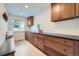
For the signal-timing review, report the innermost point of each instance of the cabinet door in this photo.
(55, 12)
(40, 42)
(65, 50)
(31, 37)
(51, 52)
(67, 10)
(35, 40)
(77, 9)
(30, 21)
(26, 35)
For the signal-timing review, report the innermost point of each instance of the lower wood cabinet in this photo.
(51, 52)
(35, 39)
(65, 50)
(39, 41)
(29, 36)
(55, 46)
(64, 46)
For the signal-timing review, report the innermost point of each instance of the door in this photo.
(31, 37)
(55, 11)
(77, 9)
(41, 42)
(35, 38)
(67, 10)
(62, 11)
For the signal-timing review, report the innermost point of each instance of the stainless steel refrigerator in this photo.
(6, 38)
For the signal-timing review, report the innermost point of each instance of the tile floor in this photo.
(24, 48)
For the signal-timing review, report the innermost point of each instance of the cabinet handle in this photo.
(58, 18)
(64, 50)
(64, 41)
(61, 17)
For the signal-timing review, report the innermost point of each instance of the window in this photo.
(18, 25)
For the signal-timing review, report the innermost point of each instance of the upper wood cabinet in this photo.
(77, 9)
(55, 11)
(62, 11)
(30, 21)
(67, 10)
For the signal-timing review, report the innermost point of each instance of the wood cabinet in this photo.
(61, 46)
(29, 36)
(60, 40)
(39, 41)
(26, 35)
(51, 52)
(30, 20)
(55, 11)
(67, 10)
(54, 45)
(62, 11)
(35, 38)
(65, 50)
(77, 9)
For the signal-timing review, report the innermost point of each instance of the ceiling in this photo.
(33, 9)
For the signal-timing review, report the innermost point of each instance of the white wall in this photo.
(62, 27)
(2, 9)
(19, 35)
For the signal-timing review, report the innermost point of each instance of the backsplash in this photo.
(63, 27)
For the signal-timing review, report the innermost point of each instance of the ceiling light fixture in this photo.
(26, 6)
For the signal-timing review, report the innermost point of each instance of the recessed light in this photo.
(26, 6)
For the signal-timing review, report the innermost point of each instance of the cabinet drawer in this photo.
(65, 50)
(51, 52)
(41, 36)
(35, 41)
(61, 40)
(40, 44)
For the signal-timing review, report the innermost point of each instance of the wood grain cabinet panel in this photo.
(65, 50)
(55, 12)
(67, 10)
(31, 38)
(77, 9)
(30, 20)
(35, 38)
(41, 42)
(51, 52)
(60, 40)
(62, 11)
(55, 46)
